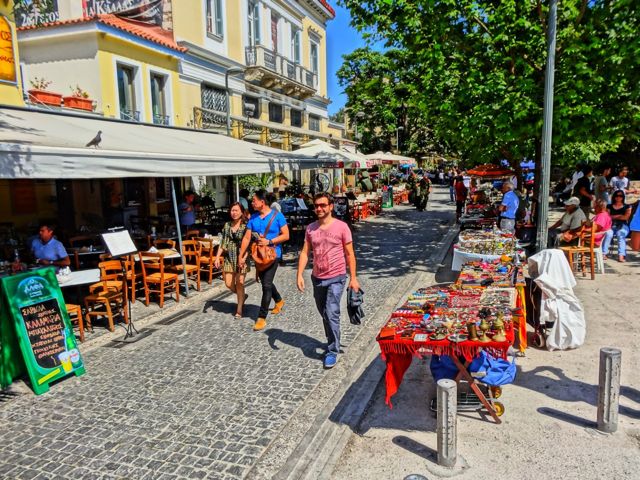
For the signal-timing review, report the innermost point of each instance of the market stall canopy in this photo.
(489, 170)
(335, 157)
(36, 144)
(390, 158)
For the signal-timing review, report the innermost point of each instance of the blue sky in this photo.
(341, 39)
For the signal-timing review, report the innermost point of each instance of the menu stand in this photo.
(120, 246)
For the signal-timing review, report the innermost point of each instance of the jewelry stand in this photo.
(121, 247)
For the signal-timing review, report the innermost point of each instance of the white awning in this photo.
(36, 144)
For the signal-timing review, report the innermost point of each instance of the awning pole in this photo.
(177, 216)
(237, 189)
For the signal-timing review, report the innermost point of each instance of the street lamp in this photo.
(398, 137)
(230, 71)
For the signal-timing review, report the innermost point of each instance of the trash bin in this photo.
(387, 196)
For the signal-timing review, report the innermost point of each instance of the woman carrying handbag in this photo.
(233, 273)
(269, 230)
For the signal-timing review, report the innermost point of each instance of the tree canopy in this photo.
(475, 69)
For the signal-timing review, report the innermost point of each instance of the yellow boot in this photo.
(260, 324)
(278, 307)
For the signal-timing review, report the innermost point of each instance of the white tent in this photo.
(38, 145)
(390, 158)
(340, 158)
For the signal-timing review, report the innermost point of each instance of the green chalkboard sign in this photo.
(35, 305)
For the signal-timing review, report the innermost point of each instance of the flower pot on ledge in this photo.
(79, 103)
(43, 96)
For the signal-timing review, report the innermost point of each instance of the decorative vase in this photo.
(46, 97)
(79, 103)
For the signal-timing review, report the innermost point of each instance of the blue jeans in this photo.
(451, 193)
(621, 232)
(327, 294)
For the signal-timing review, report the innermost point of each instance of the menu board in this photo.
(36, 310)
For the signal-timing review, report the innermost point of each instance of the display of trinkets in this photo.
(498, 297)
(487, 243)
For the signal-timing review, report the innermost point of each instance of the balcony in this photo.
(160, 119)
(129, 115)
(275, 72)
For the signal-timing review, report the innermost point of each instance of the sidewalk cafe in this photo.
(46, 163)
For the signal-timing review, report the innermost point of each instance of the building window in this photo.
(296, 118)
(275, 113)
(213, 98)
(214, 17)
(127, 93)
(159, 99)
(314, 123)
(251, 107)
(295, 45)
(253, 23)
(314, 57)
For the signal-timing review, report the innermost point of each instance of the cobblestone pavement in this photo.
(203, 397)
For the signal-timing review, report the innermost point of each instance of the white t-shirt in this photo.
(574, 179)
(619, 183)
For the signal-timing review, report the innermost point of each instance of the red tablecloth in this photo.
(398, 353)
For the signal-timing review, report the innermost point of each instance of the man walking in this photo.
(332, 245)
(267, 227)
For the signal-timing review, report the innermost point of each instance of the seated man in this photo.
(47, 250)
(565, 231)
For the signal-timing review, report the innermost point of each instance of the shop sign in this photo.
(7, 56)
(31, 13)
(149, 11)
(36, 309)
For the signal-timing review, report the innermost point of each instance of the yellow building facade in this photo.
(10, 79)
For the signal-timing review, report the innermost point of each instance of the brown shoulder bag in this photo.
(264, 255)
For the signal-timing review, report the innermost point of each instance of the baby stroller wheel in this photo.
(538, 340)
(499, 408)
(496, 392)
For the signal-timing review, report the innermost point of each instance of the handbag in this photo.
(264, 255)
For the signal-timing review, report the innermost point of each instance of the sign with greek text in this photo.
(31, 13)
(148, 11)
(7, 56)
(34, 301)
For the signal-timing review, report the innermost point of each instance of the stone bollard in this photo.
(609, 389)
(447, 421)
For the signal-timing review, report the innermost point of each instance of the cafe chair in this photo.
(579, 254)
(207, 256)
(132, 277)
(75, 315)
(192, 234)
(107, 296)
(155, 279)
(80, 241)
(191, 251)
(161, 243)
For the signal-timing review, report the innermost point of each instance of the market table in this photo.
(461, 257)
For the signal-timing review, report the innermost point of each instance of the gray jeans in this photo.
(508, 225)
(327, 294)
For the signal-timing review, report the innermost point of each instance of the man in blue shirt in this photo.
(47, 250)
(187, 212)
(278, 233)
(508, 208)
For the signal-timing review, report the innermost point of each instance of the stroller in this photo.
(492, 373)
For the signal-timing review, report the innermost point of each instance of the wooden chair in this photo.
(164, 243)
(207, 255)
(585, 248)
(191, 250)
(75, 315)
(80, 241)
(132, 277)
(107, 294)
(192, 234)
(155, 279)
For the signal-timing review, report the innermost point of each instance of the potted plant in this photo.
(78, 99)
(40, 94)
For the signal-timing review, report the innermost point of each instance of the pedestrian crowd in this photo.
(258, 240)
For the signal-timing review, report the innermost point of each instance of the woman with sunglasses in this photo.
(620, 214)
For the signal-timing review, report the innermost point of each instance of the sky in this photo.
(341, 39)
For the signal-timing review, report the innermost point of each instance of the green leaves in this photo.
(472, 73)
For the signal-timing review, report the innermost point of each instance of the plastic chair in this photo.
(154, 275)
(585, 248)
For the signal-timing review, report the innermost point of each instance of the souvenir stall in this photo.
(472, 327)
(483, 245)
(484, 196)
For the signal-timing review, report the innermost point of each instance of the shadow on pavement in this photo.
(417, 448)
(308, 345)
(567, 417)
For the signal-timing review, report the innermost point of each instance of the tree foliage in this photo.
(479, 68)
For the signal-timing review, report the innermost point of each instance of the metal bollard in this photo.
(609, 389)
(447, 422)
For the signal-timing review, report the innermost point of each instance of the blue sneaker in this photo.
(330, 360)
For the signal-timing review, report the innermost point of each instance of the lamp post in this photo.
(230, 71)
(398, 137)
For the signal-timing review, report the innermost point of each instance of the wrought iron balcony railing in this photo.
(160, 119)
(259, 56)
(130, 115)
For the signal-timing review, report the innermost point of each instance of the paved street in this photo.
(205, 396)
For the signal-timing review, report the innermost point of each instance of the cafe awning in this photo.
(36, 144)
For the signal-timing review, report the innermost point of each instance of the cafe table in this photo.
(79, 278)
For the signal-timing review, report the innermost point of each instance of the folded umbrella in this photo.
(354, 305)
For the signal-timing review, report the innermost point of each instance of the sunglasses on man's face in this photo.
(320, 205)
